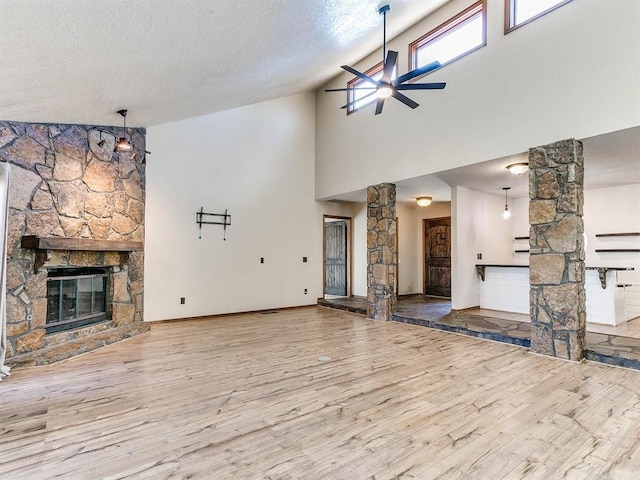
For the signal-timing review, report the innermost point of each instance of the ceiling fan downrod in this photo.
(383, 11)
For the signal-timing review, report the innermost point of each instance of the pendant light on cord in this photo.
(123, 145)
(506, 214)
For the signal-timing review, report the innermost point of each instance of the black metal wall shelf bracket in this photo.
(203, 218)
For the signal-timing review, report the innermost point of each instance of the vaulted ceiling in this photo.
(74, 61)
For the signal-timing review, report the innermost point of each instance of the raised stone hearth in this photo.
(68, 184)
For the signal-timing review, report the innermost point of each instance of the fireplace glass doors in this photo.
(76, 297)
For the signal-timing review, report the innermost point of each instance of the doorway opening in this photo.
(436, 235)
(337, 256)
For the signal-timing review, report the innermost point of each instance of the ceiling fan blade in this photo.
(352, 89)
(404, 99)
(358, 74)
(379, 105)
(389, 66)
(417, 72)
(422, 86)
(353, 102)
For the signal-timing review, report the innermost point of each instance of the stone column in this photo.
(381, 251)
(556, 261)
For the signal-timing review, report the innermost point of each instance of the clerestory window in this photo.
(521, 12)
(455, 38)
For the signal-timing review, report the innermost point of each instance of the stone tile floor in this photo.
(613, 346)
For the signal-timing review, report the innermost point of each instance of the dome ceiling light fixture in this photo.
(123, 144)
(387, 86)
(424, 201)
(518, 168)
(506, 214)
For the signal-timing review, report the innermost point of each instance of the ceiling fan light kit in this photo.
(384, 91)
(389, 87)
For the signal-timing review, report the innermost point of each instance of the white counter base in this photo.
(505, 289)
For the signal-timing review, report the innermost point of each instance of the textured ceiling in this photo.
(79, 61)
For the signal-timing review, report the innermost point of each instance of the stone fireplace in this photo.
(76, 214)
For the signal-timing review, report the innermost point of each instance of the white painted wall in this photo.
(613, 210)
(258, 162)
(570, 74)
(359, 213)
(408, 250)
(477, 227)
(520, 228)
(466, 240)
(606, 210)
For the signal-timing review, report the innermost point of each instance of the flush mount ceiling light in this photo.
(506, 214)
(123, 145)
(518, 168)
(387, 86)
(424, 201)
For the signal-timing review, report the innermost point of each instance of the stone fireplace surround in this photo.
(73, 202)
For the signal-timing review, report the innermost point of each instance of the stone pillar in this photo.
(381, 251)
(556, 261)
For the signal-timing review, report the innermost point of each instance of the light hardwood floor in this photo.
(245, 397)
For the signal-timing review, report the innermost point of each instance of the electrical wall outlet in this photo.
(305, 291)
(182, 300)
(479, 256)
(261, 259)
(304, 259)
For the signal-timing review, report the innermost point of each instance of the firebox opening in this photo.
(76, 297)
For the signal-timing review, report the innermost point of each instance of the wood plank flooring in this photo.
(245, 397)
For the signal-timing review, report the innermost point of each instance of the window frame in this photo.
(377, 68)
(442, 30)
(510, 13)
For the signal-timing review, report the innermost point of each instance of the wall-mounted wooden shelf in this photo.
(521, 251)
(521, 238)
(629, 234)
(605, 250)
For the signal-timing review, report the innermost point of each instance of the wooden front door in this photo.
(437, 256)
(335, 257)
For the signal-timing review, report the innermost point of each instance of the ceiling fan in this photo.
(389, 87)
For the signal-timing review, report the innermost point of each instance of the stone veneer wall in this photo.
(556, 261)
(64, 184)
(381, 251)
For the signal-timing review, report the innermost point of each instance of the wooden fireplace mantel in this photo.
(86, 244)
(44, 245)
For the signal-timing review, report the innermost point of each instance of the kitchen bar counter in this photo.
(506, 288)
